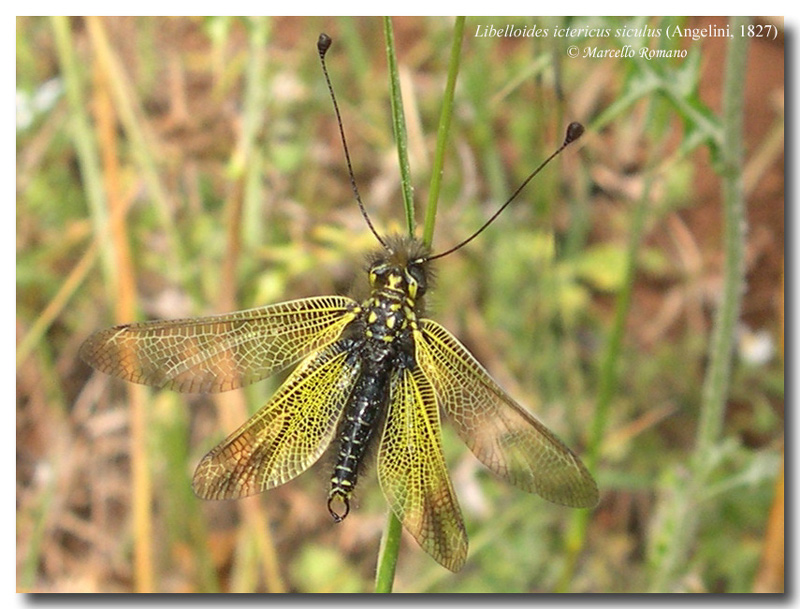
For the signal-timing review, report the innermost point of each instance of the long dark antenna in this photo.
(323, 44)
(574, 131)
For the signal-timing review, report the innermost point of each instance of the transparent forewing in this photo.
(413, 474)
(504, 436)
(221, 352)
(287, 435)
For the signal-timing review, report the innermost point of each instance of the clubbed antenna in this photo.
(574, 131)
(323, 44)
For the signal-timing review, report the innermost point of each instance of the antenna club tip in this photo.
(324, 43)
(574, 131)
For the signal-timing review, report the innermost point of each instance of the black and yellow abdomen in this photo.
(363, 413)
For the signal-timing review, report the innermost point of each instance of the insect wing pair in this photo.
(293, 430)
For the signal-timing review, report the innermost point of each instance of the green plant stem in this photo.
(390, 548)
(672, 559)
(387, 561)
(443, 132)
(715, 389)
(399, 124)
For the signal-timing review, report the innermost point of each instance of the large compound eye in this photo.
(416, 274)
(379, 274)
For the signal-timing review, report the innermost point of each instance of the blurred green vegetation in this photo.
(223, 162)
